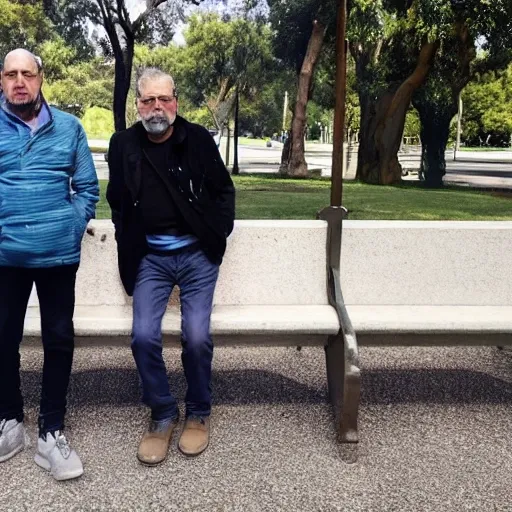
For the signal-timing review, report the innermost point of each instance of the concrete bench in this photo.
(404, 283)
(428, 283)
(273, 289)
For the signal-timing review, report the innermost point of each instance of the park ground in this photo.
(434, 436)
(271, 197)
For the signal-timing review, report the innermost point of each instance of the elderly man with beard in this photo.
(48, 192)
(172, 202)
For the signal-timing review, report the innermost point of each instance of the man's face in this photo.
(21, 81)
(157, 106)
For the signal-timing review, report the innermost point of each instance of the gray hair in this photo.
(39, 63)
(148, 74)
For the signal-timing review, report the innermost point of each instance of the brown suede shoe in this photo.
(195, 436)
(154, 444)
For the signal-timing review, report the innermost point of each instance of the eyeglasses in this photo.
(149, 102)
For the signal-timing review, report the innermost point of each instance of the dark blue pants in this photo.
(196, 276)
(56, 291)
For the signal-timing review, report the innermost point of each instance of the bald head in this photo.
(22, 78)
(21, 55)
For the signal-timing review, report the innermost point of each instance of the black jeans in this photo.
(56, 291)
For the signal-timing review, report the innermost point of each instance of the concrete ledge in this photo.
(372, 319)
(434, 339)
(269, 321)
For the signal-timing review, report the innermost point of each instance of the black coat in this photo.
(199, 185)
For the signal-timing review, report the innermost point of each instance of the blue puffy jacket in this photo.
(48, 191)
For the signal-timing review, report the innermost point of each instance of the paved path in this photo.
(435, 436)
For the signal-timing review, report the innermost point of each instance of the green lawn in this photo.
(98, 149)
(277, 198)
(483, 149)
(247, 141)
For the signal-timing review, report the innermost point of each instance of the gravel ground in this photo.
(434, 425)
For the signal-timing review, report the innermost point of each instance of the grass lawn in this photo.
(247, 141)
(483, 149)
(98, 149)
(279, 198)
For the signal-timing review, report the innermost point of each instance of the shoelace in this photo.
(63, 446)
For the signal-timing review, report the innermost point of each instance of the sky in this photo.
(135, 7)
(221, 6)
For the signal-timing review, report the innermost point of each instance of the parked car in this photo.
(216, 136)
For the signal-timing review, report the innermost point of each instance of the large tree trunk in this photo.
(365, 55)
(367, 150)
(123, 74)
(294, 162)
(123, 57)
(435, 128)
(372, 111)
(436, 113)
(382, 125)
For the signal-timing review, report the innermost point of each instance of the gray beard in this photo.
(157, 126)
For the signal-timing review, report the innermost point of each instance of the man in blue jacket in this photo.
(48, 192)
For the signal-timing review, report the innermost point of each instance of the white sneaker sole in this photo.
(18, 449)
(66, 475)
(10, 455)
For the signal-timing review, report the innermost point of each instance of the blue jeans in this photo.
(196, 276)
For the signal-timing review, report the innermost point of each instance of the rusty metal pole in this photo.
(339, 111)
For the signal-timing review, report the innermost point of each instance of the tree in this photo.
(324, 93)
(225, 60)
(122, 34)
(83, 85)
(296, 162)
(252, 62)
(396, 45)
(22, 26)
(456, 64)
(301, 27)
(70, 22)
(388, 71)
(208, 67)
(437, 101)
(154, 25)
(57, 57)
(487, 117)
(261, 112)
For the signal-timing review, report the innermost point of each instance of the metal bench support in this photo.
(342, 355)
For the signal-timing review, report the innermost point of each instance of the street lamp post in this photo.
(339, 111)
(459, 125)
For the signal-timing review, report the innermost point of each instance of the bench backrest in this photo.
(267, 262)
(427, 263)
